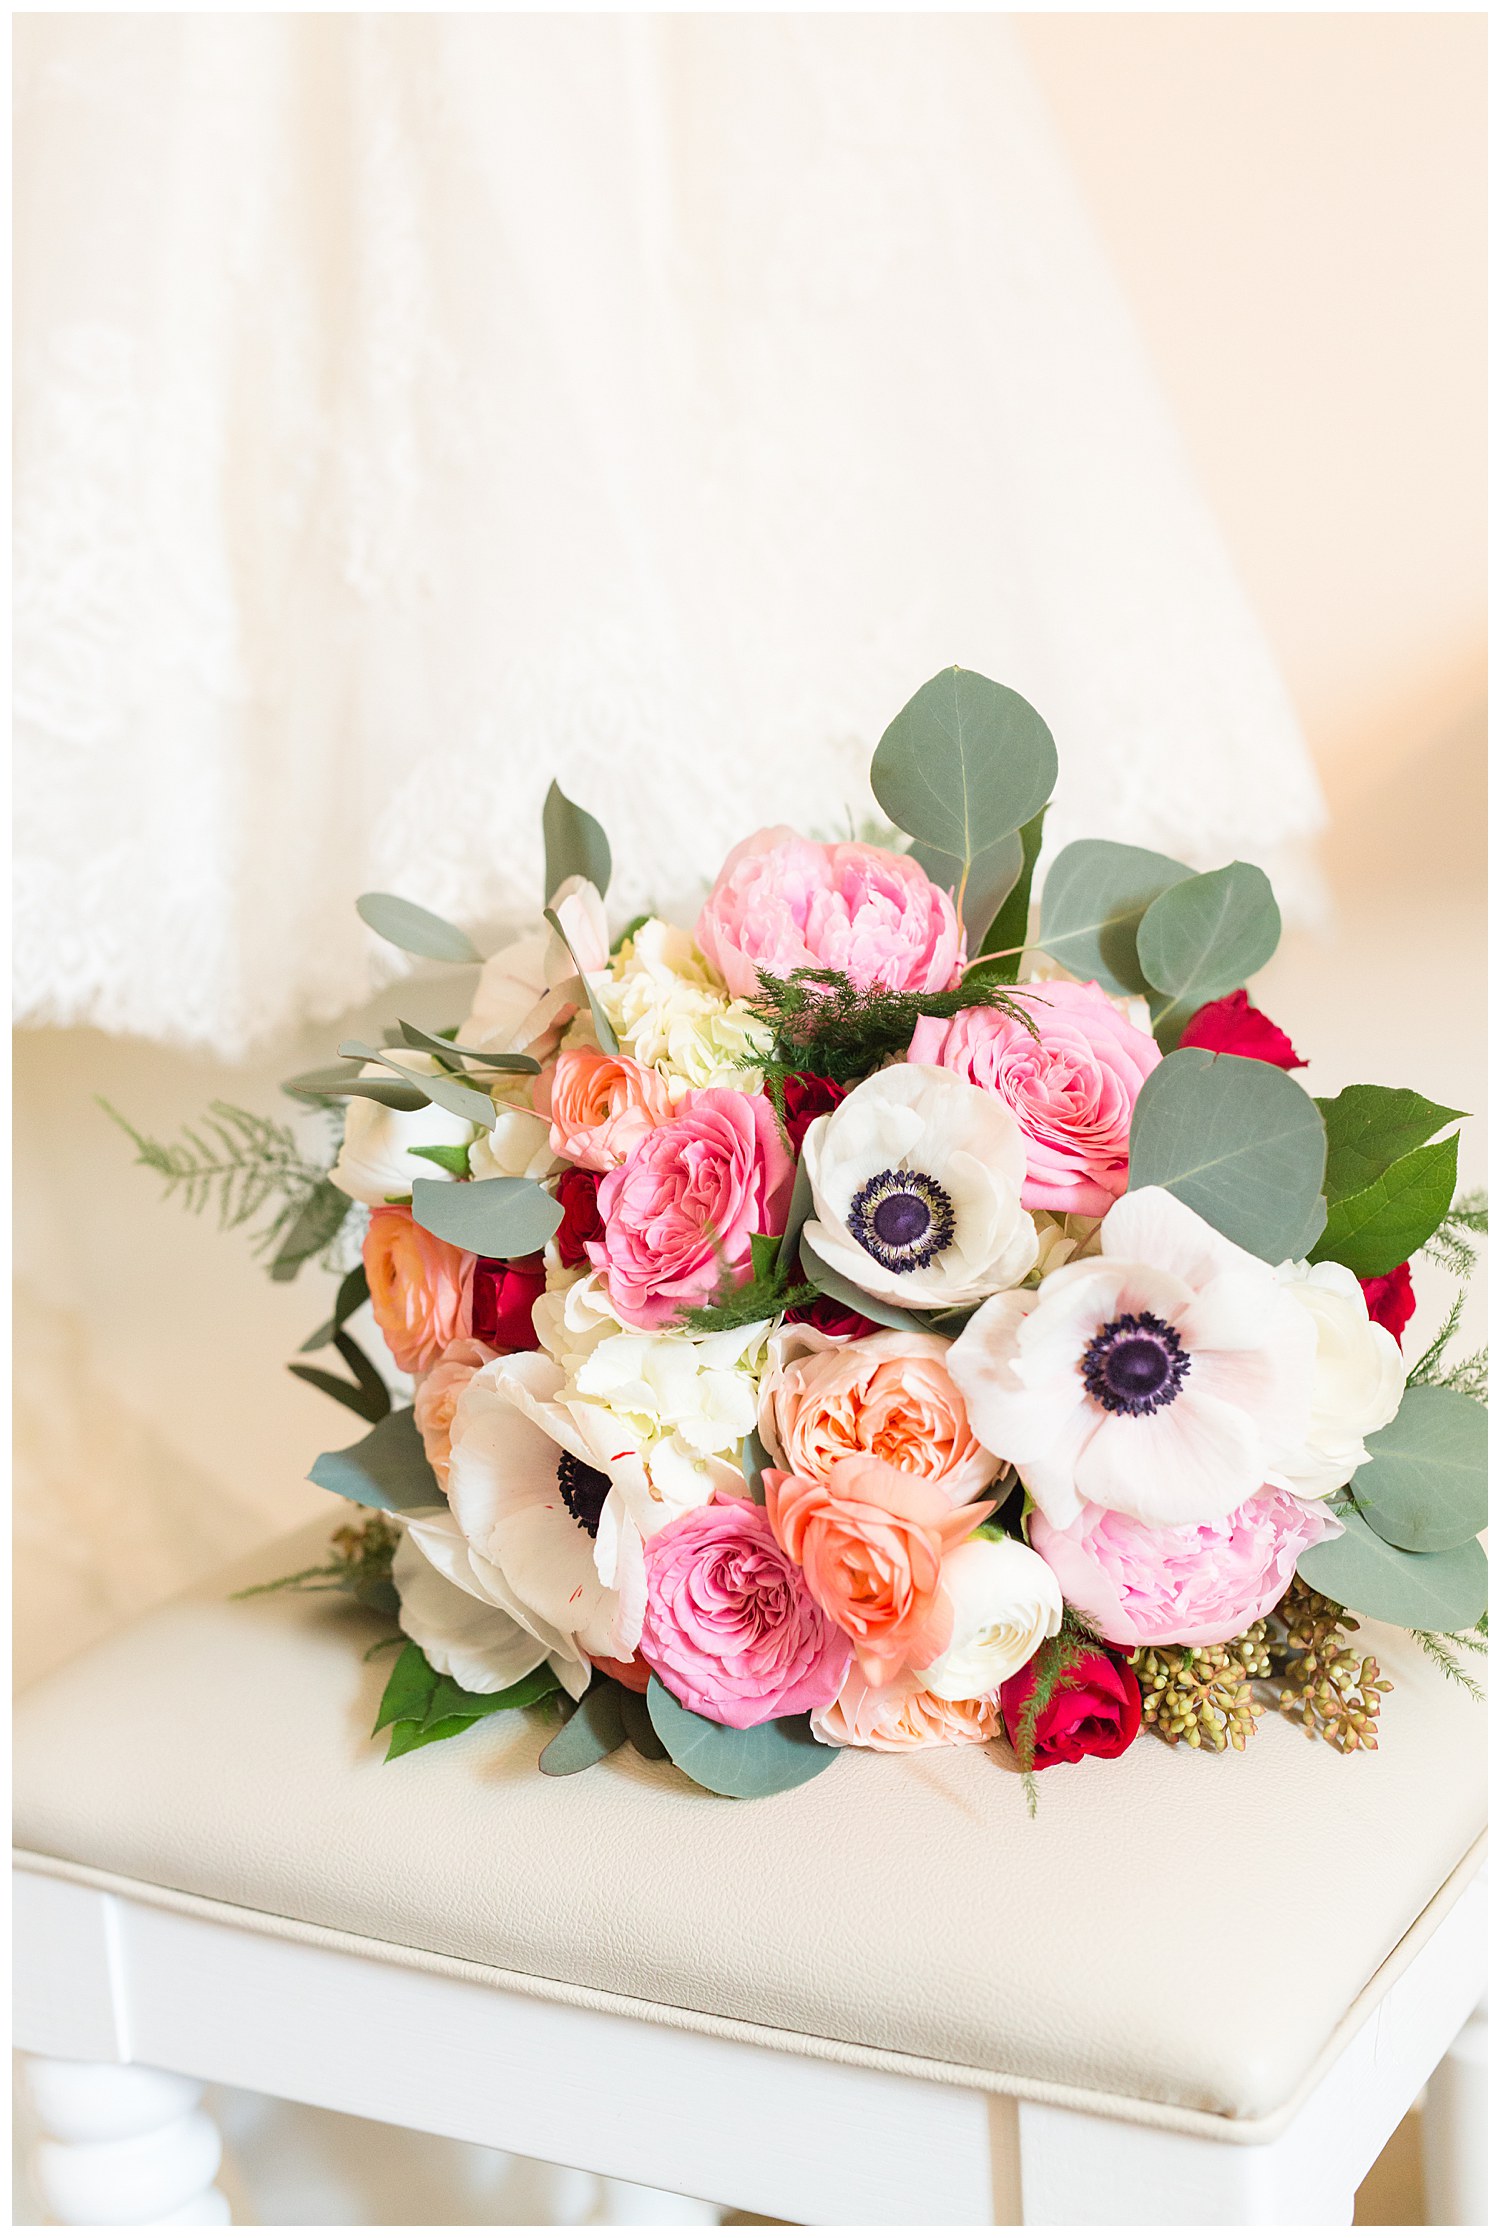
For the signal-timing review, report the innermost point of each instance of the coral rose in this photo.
(1187, 1585)
(1072, 1086)
(1233, 1027)
(603, 1106)
(730, 1627)
(871, 1541)
(438, 1395)
(902, 1715)
(888, 1394)
(419, 1288)
(680, 1213)
(782, 902)
(1095, 1710)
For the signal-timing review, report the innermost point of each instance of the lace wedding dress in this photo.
(411, 408)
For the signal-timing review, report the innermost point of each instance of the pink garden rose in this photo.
(1072, 1087)
(1190, 1585)
(730, 1628)
(679, 1214)
(601, 1107)
(782, 902)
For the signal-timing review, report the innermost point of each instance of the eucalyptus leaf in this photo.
(1095, 895)
(832, 1285)
(604, 1032)
(436, 1087)
(440, 1045)
(595, 1730)
(639, 1730)
(1012, 924)
(799, 1212)
(754, 1458)
(388, 1469)
(1204, 937)
(1370, 1128)
(965, 764)
(1374, 1231)
(317, 1224)
(760, 1760)
(1425, 1485)
(575, 843)
(330, 1084)
(1444, 1592)
(407, 925)
(992, 874)
(351, 1395)
(1237, 1141)
(506, 1218)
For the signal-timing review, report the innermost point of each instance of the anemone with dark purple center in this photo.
(1135, 1365)
(584, 1491)
(902, 1219)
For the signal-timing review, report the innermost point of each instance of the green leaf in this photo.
(575, 843)
(408, 1690)
(449, 1699)
(992, 874)
(443, 1045)
(317, 1224)
(763, 1257)
(639, 1730)
(1237, 1141)
(754, 1458)
(436, 1087)
(352, 1293)
(507, 1218)
(1374, 1231)
(334, 1082)
(845, 1293)
(1011, 925)
(1094, 898)
(966, 762)
(1425, 1592)
(1204, 937)
(406, 1737)
(348, 1394)
(387, 1469)
(451, 1156)
(1425, 1485)
(604, 1032)
(406, 925)
(761, 1760)
(799, 1212)
(1370, 1128)
(595, 1730)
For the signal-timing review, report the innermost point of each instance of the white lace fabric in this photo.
(411, 409)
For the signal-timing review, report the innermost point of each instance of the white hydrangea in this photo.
(670, 1009)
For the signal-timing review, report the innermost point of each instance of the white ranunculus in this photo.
(916, 1182)
(376, 1160)
(670, 1010)
(457, 1625)
(1358, 1380)
(518, 1146)
(1006, 1601)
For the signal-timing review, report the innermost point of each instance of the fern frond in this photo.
(820, 1022)
(1440, 1646)
(242, 1166)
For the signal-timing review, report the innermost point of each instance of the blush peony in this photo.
(730, 1628)
(889, 1394)
(679, 1214)
(902, 1715)
(1188, 1585)
(1072, 1086)
(782, 903)
(871, 1541)
(419, 1288)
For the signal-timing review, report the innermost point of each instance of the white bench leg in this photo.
(1087, 2172)
(1455, 2131)
(636, 2203)
(123, 2145)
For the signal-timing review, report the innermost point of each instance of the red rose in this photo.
(808, 1097)
(1095, 1710)
(833, 1319)
(1390, 1298)
(505, 1290)
(578, 1194)
(1235, 1028)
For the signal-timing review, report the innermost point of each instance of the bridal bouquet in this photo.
(882, 1315)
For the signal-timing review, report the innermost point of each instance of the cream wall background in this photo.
(1295, 208)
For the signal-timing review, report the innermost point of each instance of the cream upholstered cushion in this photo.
(1176, 1929)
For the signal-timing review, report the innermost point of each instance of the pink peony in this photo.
(601, 1107)
(730, 1628)
(782, 902)
(679, 1214)
(1072, 1087)
(1191, 1585)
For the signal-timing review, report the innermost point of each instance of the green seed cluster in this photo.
(1203, 1695)
(1333, 1692)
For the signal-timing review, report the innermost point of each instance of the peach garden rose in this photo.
(889, 1394)
(902, 1715)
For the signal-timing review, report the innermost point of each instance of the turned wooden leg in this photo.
(123, 2145)
(637, 2203)
(1455, 2131)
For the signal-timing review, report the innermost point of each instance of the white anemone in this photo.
(916, 1182)
(459, 1626)
(1161, 1379)
(1005, 1601)
(1358, 1380)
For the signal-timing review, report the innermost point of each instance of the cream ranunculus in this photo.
(1358, 1380)
(376, 1162)
(1006, 1601)
(916, 1182)
(670, 1010)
